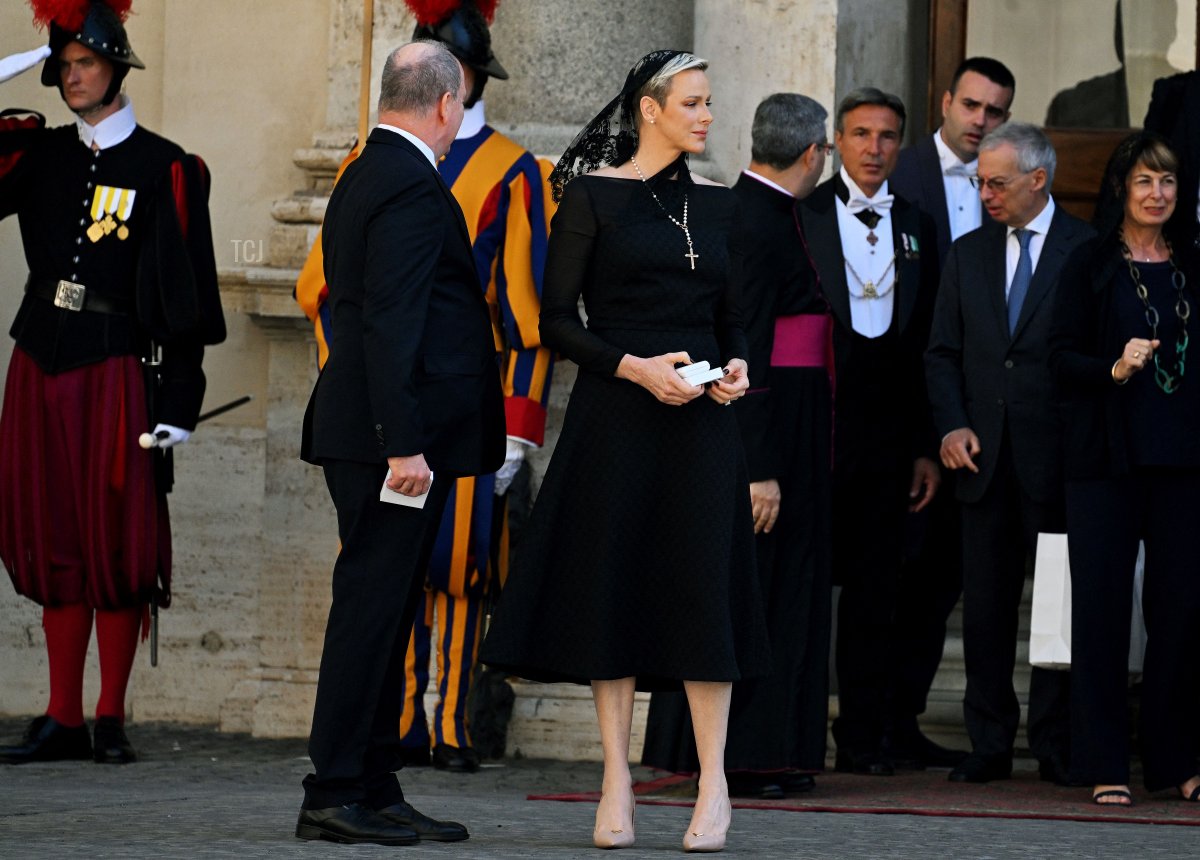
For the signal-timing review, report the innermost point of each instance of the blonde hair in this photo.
(659, 85)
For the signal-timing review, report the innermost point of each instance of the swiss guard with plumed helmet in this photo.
(120, 301)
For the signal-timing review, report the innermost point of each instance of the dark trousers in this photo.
(999, 534)
(1105, 520)
(868, 530)
(377, 581)
(930, 585)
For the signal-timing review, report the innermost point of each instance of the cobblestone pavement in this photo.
(200, 794)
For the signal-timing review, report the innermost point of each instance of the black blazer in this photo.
(412, 363)
(916, 284)
(983, 378)
(1175, 113)
(1085, 341)
(918, 179)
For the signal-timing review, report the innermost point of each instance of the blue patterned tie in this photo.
(1021, 278)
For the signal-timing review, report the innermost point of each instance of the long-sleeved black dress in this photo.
(639, 556)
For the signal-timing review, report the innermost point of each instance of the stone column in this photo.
(759, 47)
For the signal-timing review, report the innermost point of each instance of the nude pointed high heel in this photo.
(622, 838)
(708, 842)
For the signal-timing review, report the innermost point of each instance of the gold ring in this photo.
(1137, 354)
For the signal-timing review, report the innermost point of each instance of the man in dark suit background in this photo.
(874, 260)
(993, 403)
(1175, 114)
(937, 175)
(411, 390)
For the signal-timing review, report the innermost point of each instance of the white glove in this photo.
(174, 436)
(15, 64)
(513, 458)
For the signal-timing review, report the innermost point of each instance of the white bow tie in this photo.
(960, 170)
(862, 204)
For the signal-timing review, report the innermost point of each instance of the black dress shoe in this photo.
(911, 750)
(979, 768)
(353, 824)
(415, 756)
(111, 745)
(798, 783)
(47, 739)
(1054, 769)
(455, 759)
(760, 786)
(428, 829)
(868, 763)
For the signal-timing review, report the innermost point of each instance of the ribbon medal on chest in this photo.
(111, 208)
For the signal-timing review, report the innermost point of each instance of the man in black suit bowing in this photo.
(875, 263)
(994, 406)
(937, 175)
(411, 396)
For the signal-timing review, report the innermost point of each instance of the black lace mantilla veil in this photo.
(611, 137)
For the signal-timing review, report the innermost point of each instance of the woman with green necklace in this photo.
(1131, 417)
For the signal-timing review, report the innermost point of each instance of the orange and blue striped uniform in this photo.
(506, 201)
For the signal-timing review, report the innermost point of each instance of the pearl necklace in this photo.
(691, 255)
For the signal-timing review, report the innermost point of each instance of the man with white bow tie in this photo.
(937, 174)
(874, 259)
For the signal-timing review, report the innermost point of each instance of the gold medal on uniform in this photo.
(107, 203)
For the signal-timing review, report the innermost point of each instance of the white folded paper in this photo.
(700, 373)
(386, 494)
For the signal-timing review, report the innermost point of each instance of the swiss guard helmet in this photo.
(462, 26)
(95, 24)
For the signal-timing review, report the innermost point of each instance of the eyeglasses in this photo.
(998, 185)
(826, 148)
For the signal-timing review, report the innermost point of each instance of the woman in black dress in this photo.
(1132, 460)
(637, 567)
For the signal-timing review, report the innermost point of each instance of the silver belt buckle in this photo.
(69, 296)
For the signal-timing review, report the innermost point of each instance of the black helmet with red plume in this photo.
(95, 24)
(462, 26)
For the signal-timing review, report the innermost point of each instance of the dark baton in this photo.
(152, 440)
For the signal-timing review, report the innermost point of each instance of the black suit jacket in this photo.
(413, 366)
(1175, 113)
(906, 404)
(918, 179)
(982, 377)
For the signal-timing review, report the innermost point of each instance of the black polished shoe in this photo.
(979, 768)
(353, 824)
(798, 783)
(428, 829)
(911, 750)
(760, 786)
(1054, 769)
(868, 763)
(455, 759)
(111, 746)
(415, 756)
(47, 739)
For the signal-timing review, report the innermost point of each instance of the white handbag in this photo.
(1050, 620)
